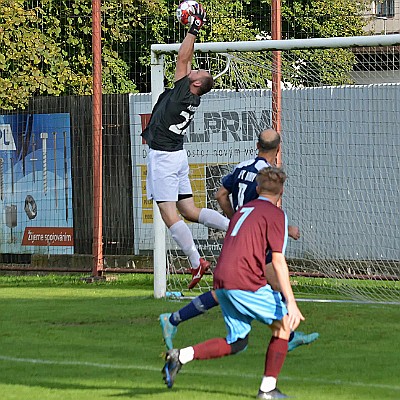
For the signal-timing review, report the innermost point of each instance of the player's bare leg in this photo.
(274, 359)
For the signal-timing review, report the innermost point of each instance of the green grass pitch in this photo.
(61, 338)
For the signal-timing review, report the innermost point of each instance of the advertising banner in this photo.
(35, 184)
(224, 132)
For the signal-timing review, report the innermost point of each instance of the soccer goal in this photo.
(337, 105)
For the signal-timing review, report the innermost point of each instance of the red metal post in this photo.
(276, 28)
(97, 125)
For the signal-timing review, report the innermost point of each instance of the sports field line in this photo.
(312, 300)
(211, 373)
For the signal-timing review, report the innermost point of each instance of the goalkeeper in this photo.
(167, 180)
(242, 186)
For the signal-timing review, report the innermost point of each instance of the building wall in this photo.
(383, 24)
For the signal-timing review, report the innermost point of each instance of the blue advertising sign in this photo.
(35, 184)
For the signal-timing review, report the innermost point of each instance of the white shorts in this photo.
(167, 175)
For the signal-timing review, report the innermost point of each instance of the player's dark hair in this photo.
(268, 145)
(207, 83)
(271, 180)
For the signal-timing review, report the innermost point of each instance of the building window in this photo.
(385, 8)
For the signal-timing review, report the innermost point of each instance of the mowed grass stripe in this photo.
(209, 372)
(64, 339)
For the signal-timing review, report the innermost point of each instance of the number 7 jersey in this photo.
(255, 228)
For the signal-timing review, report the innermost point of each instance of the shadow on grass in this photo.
(179, 393)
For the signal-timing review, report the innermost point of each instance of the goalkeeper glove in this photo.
(199, 17)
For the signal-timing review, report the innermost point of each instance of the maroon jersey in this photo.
(255, 228)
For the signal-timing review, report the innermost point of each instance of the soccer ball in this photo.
(185, 11)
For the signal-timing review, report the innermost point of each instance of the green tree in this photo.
(46, 49)
(226, 22)
(251, 20)
(46, 45)
(30, 61)
(314, 19)
(323, 18)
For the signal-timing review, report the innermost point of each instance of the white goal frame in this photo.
(157, 85)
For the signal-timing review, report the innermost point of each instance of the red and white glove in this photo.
(198, 17)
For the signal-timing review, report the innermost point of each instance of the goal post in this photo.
(333, 125)
(279, 45)
(159, 256)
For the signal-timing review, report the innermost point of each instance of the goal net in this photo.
(339, 110)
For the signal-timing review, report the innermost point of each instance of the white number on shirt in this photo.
(241, 190)
(179, 129)
(246, 212)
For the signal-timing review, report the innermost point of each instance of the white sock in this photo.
(186, 355)
(180, 232)
(268, 383)
(213, 219)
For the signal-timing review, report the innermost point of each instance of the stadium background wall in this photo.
(349, 135)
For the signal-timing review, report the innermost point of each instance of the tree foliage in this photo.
(30, 60)
(312, 19)
(46, 45)
(323, 18)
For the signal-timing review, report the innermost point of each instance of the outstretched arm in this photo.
(185, 53)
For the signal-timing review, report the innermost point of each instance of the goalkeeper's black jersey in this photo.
(171, 115)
